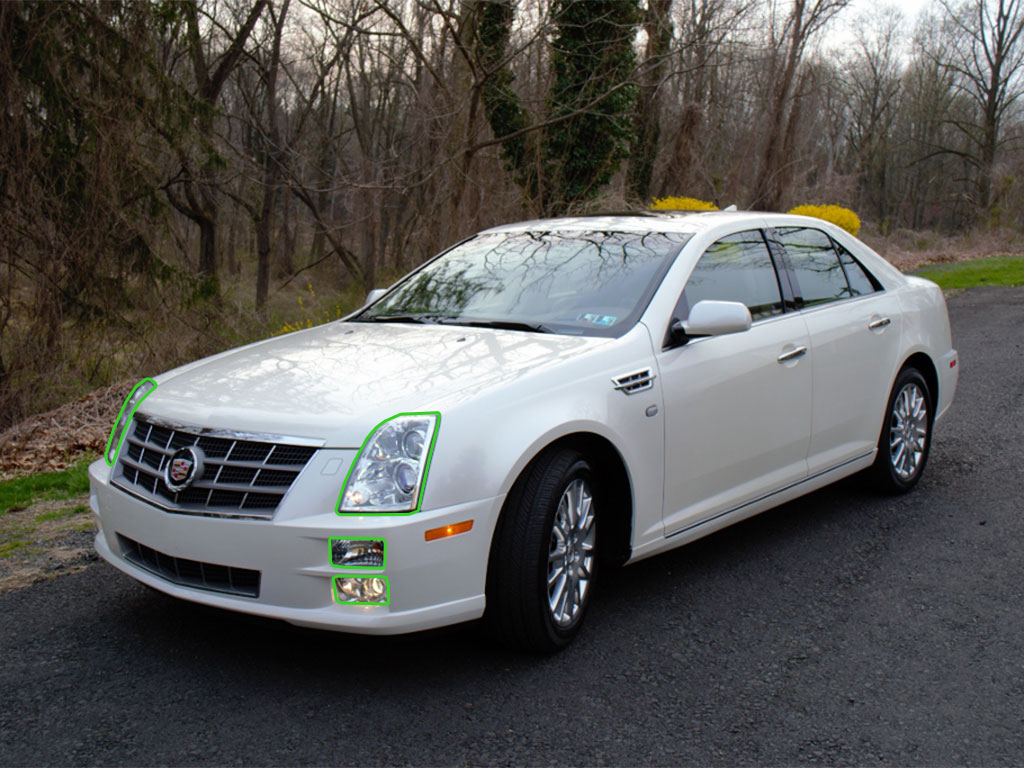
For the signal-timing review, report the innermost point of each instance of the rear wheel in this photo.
(544, 555)
(906, 435)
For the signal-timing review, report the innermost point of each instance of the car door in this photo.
(854, 327)
(737, 406)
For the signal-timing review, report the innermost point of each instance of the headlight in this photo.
(390, 470)
(138, 394)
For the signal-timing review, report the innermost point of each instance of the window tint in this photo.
(736, 268)
(860, 282)
(816, 264)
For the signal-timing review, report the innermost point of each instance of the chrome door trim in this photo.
(768, 495)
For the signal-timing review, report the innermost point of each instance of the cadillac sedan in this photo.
(541, 401)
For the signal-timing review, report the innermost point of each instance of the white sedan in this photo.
(541, 399)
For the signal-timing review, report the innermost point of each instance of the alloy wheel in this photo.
(908, 431)
(571, 553)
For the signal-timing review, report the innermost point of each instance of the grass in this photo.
(45, 486)
(64, 512)
(1005, 270)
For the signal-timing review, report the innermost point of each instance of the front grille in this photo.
(191, 573)
(241, 478)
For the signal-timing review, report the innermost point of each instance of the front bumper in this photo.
(431, 584)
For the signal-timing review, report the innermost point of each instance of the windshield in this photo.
(585, 283)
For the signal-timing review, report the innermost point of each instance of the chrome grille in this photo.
(192, 573)
(241, 478)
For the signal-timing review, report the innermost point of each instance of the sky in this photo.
(841, 30)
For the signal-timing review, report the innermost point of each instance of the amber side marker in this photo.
(448, 530)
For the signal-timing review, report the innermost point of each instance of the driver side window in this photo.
(738, 267)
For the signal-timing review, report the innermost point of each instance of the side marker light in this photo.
(448, 530)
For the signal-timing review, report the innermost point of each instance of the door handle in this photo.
(880, 323)
(793, 354)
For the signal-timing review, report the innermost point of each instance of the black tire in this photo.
(519, 611)
(898, 470)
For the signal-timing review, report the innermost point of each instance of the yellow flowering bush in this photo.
(836, 214)
(682, 204)
(310, 315)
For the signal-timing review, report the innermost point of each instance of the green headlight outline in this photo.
(426, 466)
(383, 558)
(339, 601)
(106, 450)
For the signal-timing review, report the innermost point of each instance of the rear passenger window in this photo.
(860, 282)
(819, 274)
(736, 268)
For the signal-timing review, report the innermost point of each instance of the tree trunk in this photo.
(271, 165)
(208, 250)
(658, 26)
(286, 240)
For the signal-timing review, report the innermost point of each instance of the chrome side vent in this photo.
(638, 381)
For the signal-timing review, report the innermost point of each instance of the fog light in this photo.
(357, 553)
(360, 590)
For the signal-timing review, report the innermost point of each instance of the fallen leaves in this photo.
(54, 440)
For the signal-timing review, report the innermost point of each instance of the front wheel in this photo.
(906, 434)
(544, 555)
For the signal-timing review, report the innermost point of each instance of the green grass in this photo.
(60, 514)
(1007, 270)
(45, 486)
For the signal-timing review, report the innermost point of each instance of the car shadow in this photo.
(659, 589)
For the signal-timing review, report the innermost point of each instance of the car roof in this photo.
(638, 221)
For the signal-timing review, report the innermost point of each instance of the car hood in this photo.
(336, 381)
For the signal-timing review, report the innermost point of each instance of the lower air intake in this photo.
(191, 573)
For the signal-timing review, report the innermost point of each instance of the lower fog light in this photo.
(361, 590)
(357, 553)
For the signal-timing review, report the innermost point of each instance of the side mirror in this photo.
(375, 294)
(713, 318)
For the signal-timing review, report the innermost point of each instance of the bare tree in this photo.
(873, 77)
(985, 51)
(271, 156)
(657, 25)
(198, 199)
(789, 42)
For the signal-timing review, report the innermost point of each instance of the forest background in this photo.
(177, 178)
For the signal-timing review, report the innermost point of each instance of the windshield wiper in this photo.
(505, 325)
(425, 319)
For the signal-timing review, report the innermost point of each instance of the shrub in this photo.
(682, 204)
(836, 214)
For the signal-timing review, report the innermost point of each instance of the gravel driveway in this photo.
(842, 628)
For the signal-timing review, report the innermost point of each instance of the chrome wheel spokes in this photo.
(571, 553)
(908, 431)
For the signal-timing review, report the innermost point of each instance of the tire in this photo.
(906, 436)
(538, 587)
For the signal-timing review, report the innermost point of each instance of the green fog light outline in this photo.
(335, 589)
(426, 466)
(113, 430)
(383, 557)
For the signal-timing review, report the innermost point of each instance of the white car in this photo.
(540, 398)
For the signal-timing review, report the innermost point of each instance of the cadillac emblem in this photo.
(185, 465)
